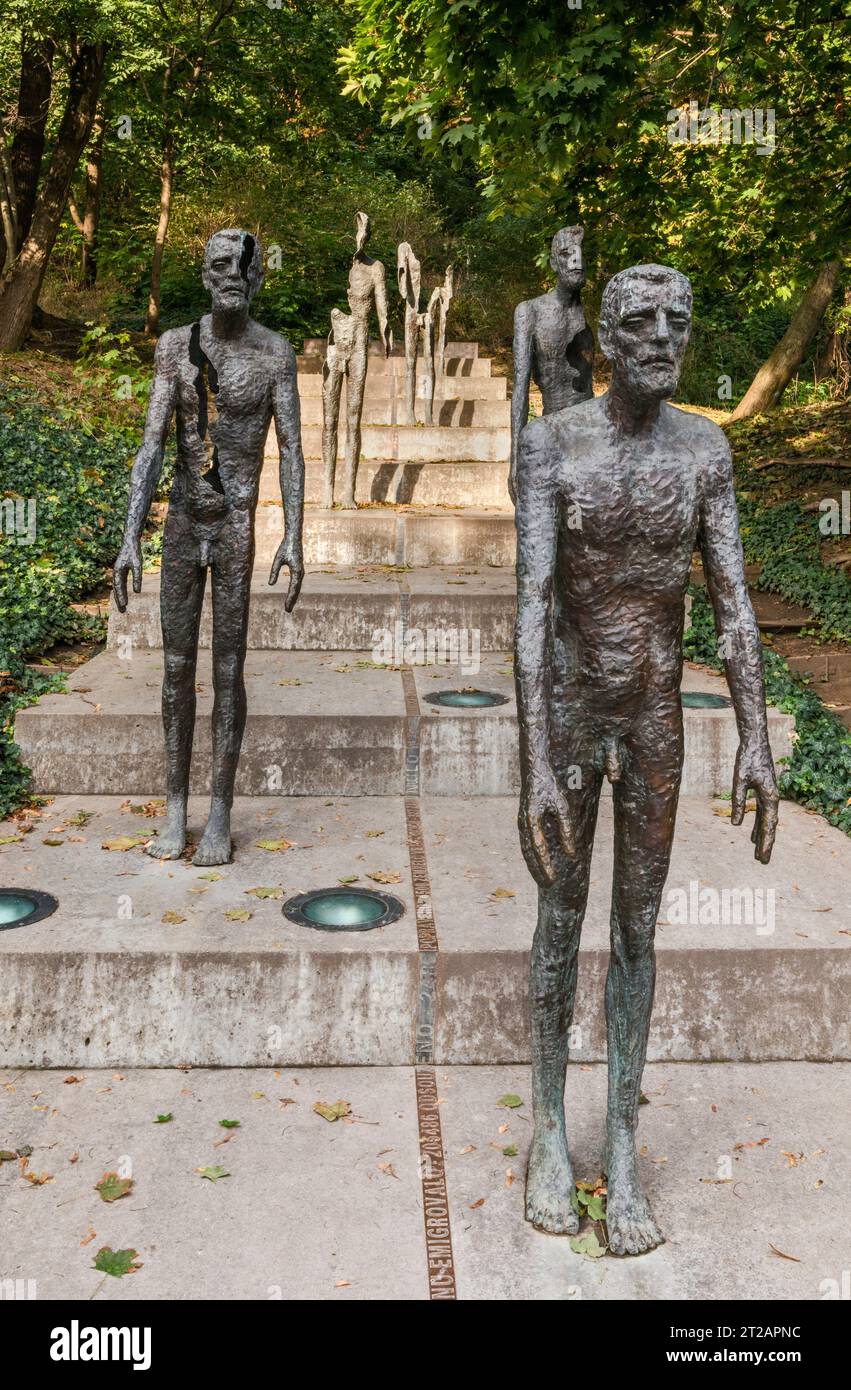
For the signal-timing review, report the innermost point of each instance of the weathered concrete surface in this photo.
(381, 535)
(321, 723)
(105, 981)
(386, 410)
(393, 368)
(453, 483)
(311, 1210)
(456, 348)
(419, 443)
(93, 985)
(307, 1212)
(719, 1233)
(464, 388)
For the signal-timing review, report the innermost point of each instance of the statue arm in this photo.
(147, 467)
(522, 352)
(542, 804)
(740, 647)
(584, 383)
(287, 414)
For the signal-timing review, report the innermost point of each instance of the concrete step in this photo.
(340, 609)
(388, 367)
(312, 346)
(335, 1212)
(389, 410)
(413, 443)
(381, 535)
(464, 483)
(106, 982)
(324, 723)
(464, 388)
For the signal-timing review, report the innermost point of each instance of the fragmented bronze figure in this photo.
(433, 323)
(346, 356)
(409, 280)
(225, 377)
(612, 495)
(552, 343)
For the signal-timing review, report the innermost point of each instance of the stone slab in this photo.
(384, 535)
(389, 410)
(459, 483)
(417, 443)
(464, 388)
(393, 368)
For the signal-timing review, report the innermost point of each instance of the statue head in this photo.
(645, 320)
(233, 269)
(408, 274)
(363, 227)
(566, 257)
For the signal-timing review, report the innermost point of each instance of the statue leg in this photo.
(552, 991)
(354, 410)
(645, 807)
(332, 384)
(181, 595)
(233, 560)
(411, 334)
(428, 360)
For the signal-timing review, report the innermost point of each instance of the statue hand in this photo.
(754, 770)
(129, 561)
(542, 801)
(289, 554)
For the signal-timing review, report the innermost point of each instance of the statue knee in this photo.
(179, 667)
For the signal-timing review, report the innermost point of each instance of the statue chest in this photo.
(235, 386)
(653, 508)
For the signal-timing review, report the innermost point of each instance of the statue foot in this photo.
(215, 846)
(630, 1223)
(171, 841)
(549, 1184)
(328, 501)
(347, 502)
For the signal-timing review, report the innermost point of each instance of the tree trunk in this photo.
(28, 143)
(152, 318)
(91, 216)
(777, 371)
(19, 288)
(8, 208)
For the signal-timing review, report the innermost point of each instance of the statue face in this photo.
(231, 271)
(566, 257)
(647, 337)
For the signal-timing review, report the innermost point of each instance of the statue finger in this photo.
(296, 577)
(739, 798)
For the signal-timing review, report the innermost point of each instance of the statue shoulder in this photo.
(701, 434)
(172, 346)
(275, 345)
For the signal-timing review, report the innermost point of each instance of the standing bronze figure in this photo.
(552, 343)
(347, 356)
(409, 280)
(598, 664)
(226, 378)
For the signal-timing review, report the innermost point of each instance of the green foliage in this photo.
(79, 485)
(786, 542)
(818, 773)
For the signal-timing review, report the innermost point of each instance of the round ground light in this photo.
(20, 907)
(466, 698)
(704, 699)
(343, 909)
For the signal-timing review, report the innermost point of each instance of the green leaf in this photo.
(230, 1124)
(213, 1173)
(111, 1187)
(587, 1245)
(116, 1262)
(164, 1119)
(338, 1111)
(510, 1101)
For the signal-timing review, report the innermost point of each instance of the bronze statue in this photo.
(225, 377)
(433, 323)
(552, 342)
(346, 356)
(598, 666)
(409, 281)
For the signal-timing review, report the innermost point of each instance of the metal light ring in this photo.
(44, 905)
(438, 697)
(392, 908)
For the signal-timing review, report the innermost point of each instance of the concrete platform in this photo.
(460, 348)
(394, 367)
(106, 982)
(342, 607)
(323, 723)
(464, 483)
(381, 535)
(335, 1212)
(389, 410)
(416, 443)
(378, 388)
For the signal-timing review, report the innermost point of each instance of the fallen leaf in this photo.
(172, 919)
(510, 1151)
(238, 914)
(125, 842)
(587, 1245)
(349, 878)
(265, 892)
(338, 1111)
(89, 1237)
(480, 1203)
(116, 1262)
(214, 1173)
(503, 893)
(212, 876)
(111, 1187)
(781, 1254)
(388, 1169)
(230, 1124)
(379, 876)
(510, 1101)
(273, 845)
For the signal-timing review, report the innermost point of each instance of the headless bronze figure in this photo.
(598, 666)
(226, 378)
(347, 356)
(552, 343)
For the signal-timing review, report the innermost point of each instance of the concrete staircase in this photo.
(346, 760)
